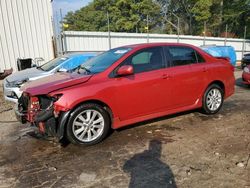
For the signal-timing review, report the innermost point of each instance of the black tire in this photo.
(88, 106)
(205, 106)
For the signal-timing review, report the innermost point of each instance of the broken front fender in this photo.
(63, 120)
(21, 117)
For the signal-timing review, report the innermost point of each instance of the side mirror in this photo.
(62, 70)
(33, 65)
(125, 70)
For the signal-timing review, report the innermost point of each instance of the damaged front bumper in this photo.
(46, 122)
(21, 117)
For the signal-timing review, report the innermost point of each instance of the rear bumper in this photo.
(246, 78)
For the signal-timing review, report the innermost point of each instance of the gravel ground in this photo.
(184, 150)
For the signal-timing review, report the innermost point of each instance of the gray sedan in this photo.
(12, 83)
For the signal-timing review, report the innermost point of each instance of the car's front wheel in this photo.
(88, 124)
(212, 99)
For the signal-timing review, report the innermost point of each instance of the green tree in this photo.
(236, 14)
(124, 15)
(131, 15)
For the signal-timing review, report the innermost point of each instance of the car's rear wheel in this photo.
(212, 99)
(88, 124)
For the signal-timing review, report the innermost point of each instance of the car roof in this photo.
(78, 54)
(143, 45)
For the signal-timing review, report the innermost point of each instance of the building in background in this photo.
(26, 31)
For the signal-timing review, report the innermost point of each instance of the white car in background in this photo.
(12, 83)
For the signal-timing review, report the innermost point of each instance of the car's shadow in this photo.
(166, 117)
(239, 83)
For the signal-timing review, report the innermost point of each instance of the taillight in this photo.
(232, 68)
(34, 103)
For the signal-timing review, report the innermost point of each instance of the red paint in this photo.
(140, 96)
(41, 127)
(125, 70)
(246, 77)
(33, 108)
(54, 82)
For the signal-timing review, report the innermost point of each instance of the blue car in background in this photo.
(221, 51)
(12, 83)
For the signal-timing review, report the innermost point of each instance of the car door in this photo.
(200, 72)
(186, 81)
(145, 91)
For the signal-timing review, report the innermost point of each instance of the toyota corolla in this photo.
(123, 86)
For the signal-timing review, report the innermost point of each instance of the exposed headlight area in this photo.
(13, 95)
(39, 111)
(15, 83)
(246, 69)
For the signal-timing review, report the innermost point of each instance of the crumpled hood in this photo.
(54, 82)
(26, 74)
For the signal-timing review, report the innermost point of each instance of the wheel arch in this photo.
(214, 83)
(63, 120)
(219, 83)
(99, 102)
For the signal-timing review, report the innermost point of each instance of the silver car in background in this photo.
(12, 83)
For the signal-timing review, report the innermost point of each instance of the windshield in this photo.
(53, 63)
(104, 60)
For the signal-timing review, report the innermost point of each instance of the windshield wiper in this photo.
(84, 68)
(40, 68)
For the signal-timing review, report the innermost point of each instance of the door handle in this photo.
(166, 76)
(204, 69)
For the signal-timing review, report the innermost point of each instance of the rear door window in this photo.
(184, 56)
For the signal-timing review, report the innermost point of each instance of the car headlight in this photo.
(15, 83)
(246, 69)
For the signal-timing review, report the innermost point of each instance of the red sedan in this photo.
(246, 75)
(123, 86)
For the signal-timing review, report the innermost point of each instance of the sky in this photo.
(68, 5)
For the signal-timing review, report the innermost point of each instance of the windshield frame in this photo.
(123, 51)
(66, 58)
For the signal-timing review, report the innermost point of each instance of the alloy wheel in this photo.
(88, 125)
(214, 99)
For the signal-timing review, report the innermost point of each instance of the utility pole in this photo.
(109, 38)
(205, 28)
(225, 42)
(61, 19)
(221, 15)
(147, 31)
(244, 41)
(178, 27)
(62, 33)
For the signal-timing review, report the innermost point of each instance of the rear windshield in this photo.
(103, 61)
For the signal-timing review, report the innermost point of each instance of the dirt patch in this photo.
(184, 150)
